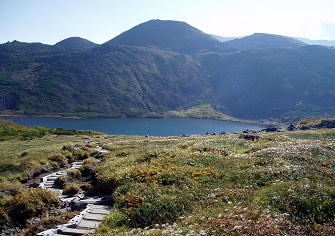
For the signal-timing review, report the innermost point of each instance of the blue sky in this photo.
(50, 21)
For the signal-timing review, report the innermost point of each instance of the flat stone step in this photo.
(90, 216)
(49, 185)
(90, 201)
(52, 178)
(88, 224)
(103, 211)
(70, 231)
(104, 207)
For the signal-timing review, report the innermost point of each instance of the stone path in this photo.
(88, 219)
(84, 223)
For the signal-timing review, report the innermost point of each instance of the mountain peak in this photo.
(264, 41)
(76, 43)
(169, 35)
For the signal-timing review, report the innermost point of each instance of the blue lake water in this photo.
(140, 126)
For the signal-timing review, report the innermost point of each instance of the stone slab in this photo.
(70, 231)
(103, 207)
(98, 211)
(88, 224)
(90, 201)
(52, 178)
(90, 216)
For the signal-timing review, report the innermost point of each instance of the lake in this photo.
(140, 126)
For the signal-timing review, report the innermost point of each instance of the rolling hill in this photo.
(263, 41)
(76, 43)
(160, 66)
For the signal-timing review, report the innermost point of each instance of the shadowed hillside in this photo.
(275, 82)
(263, 41)
(169, 67)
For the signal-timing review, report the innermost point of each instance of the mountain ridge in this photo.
(171, 74)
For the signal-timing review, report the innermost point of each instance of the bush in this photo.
(30, 203)
(61, 181)
(60, 159)
(10, 187)
(74, 174)
(80, 154)
(116, 219)
(71, 188)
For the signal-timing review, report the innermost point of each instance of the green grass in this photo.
(279, 184)
(221, 185)
(205, 111)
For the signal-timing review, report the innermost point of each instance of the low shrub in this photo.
(74, 174)
(30, 203)
(71, 188)
(10, 187)
(61, 181)
(60, 159)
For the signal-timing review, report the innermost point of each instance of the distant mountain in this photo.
(162, 66)
(263, 41)
(329, 43)
(76, 43)
(168, 35)
(223, 39)
(283, 82)
(108, 80)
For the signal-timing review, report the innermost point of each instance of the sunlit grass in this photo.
(276, 184)
(222, 185)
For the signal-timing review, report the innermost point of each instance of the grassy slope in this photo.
(221, 185)
(282, 183)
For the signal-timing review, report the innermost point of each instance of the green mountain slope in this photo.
(169, 35)
(274, 82)
(110, 79)
(162, 66)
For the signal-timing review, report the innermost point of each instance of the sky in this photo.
(50, 21)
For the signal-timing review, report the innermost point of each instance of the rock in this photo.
(271, 129)
(78, 206)
(24, 154)
(304, 127)
(248, 131)
(291, 128)
(249, 137)
(34, 185)
(107, 200)
(326, 124)
(88, 171)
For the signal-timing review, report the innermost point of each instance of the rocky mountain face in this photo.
(159, 66)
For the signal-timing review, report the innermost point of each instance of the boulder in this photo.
(88, 171)
(34, 185)
(271, 129)
(291, 128)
